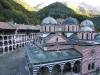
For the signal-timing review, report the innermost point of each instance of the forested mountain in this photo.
(9, 9)
(21, 12)
(25, 5)
(58, 10)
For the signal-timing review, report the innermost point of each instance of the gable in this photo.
(56, 38)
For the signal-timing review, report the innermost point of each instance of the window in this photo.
(68, 28)
(89, 66)
(91, 53)
(92, 65)
(45, 28)
(87, 36)
(57, 39)
(82, 35)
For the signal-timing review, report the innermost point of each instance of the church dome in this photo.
(65, 53)
(70, 20)
(49, 20)
(54, 54)
(87, 23)
(85, 29)
(74, 36)
(41, 56)
(97, 37)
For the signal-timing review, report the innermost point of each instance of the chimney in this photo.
(11, 21)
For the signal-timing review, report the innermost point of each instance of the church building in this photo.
(64, 47)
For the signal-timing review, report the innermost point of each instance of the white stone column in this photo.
(8, 48)
(3, 49)
(72, 65)
(21, 45)
(62, 67)
(24, 38)
(12, 47)
(3, 40)
(35, 69)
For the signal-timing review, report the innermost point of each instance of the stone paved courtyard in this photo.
(13, 63)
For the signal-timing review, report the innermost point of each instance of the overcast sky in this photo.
(92, 2)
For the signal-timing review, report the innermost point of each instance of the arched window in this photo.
(82, 35)
(89, 67)
(68, 28)
(92, 65)
(87, 36)
(57, 39)
(45, 28)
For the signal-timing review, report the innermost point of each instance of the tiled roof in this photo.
(5, 25)
(37, 55)
(26, 27)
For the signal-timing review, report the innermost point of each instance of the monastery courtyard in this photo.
(13, 63)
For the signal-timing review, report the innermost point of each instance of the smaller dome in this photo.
(49, 20)
(85, 29)
(41, 56)
(87, 23)
(74, 36)
(65, 53)
(54, 54)
(70, 20)
(97, 37)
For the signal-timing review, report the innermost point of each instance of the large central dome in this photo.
(70, 20)
(49, 20)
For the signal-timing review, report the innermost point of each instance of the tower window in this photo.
(45, 28)
(87, 36)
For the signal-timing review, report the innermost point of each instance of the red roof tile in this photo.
(26, 27)
(5, 25)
